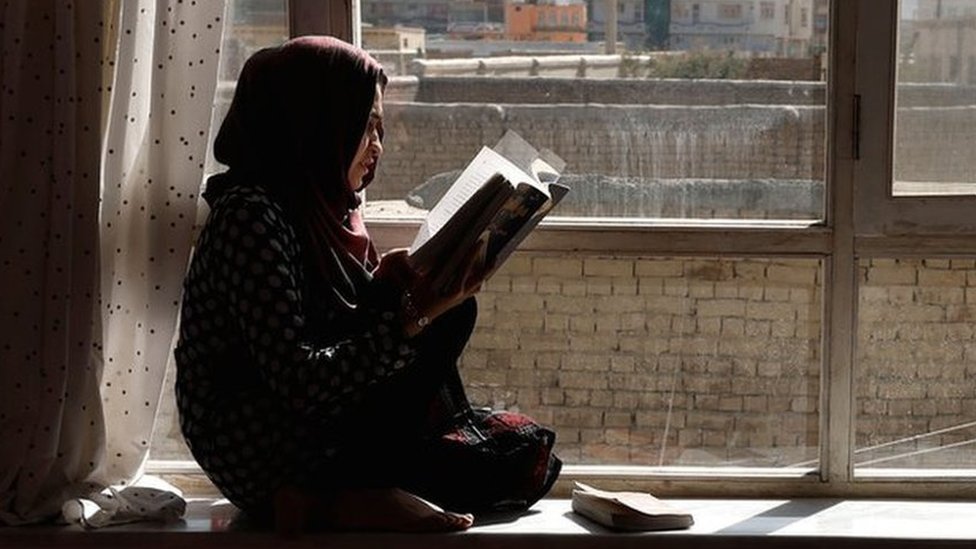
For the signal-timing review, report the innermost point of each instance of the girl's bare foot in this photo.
(292, 509)
(391, 510)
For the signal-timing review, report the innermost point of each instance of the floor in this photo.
(836, 524)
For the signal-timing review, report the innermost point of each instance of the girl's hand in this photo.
(423, 303)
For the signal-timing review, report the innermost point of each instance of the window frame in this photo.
(880, 215)
(860, 221)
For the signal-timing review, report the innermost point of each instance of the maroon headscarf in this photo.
(296, 121)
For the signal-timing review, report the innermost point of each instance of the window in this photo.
(679, 10)
(746, 308)
(644, 359)
(767, 10)
(933, 134)
(804, 16)
(730, 11)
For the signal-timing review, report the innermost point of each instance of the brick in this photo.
(749, 270)
(586, 362)
(675, 287)
(722, 307)
(599, 286)
(576, 397)
(930, 277)
(773, 294)
(792, 275)
(517, 264)
(619, 304)
(663, 268)
(709, 326)
(667, 304)
(549, 285)
(561, 267)
(770, 311)
(555, 342)
(568, 305)
(581, 380)
(601, 399)
(758, 328)
(526, 303)
(553, 396)
(555, 323)
(891, 275)
(608, 267)
(650, 286)
(624, 287)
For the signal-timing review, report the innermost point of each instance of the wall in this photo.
(692, 361)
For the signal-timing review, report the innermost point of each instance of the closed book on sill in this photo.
(631, 511)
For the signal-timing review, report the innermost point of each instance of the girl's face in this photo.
(370, 149)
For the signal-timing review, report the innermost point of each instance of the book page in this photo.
(485, 165)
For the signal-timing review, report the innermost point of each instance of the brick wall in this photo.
(648, 361)
(692, 361)
(917, 354)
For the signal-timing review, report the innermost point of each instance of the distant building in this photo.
(641, 24)
(398, 39)
(821, 27)
(945, 9)
(631, 22)
(779, 28)
(546, 20)
(942, 42)
(430, 15)
(476, 20)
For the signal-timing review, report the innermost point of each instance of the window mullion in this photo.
(840, 291)
(317, 17)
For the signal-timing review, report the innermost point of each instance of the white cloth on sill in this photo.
(149, 499)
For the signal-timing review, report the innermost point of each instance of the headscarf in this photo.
(296, 121)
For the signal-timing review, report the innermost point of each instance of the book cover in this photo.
(631, 511)
(496, 201)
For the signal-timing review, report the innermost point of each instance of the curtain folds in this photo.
(105, 109)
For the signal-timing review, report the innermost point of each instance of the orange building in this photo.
(546, 21)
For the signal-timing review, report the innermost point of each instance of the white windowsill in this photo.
(720, 523)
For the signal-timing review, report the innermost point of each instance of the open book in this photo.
(628, 510)
(494, 203)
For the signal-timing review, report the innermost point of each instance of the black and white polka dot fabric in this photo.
(265, 367)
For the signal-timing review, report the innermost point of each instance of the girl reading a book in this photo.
(317, 382)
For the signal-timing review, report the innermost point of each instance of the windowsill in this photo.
(718, 523)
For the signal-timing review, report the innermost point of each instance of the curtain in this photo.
(105, 109)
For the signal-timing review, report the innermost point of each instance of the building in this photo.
(631, 27)
(476, 20)
(431, 15)
(395, 47)
(941, 43)
(775, 28)
(546, 21)
(945, 9)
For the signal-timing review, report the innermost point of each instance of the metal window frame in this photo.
(861, 221)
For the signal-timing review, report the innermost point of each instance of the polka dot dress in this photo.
(266, 368)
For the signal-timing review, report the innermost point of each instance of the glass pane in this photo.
(707, 110)
(250, 25)
(656, 361)
(935, 119)
(915, 353)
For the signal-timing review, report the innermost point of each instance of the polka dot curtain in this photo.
(105, 112)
